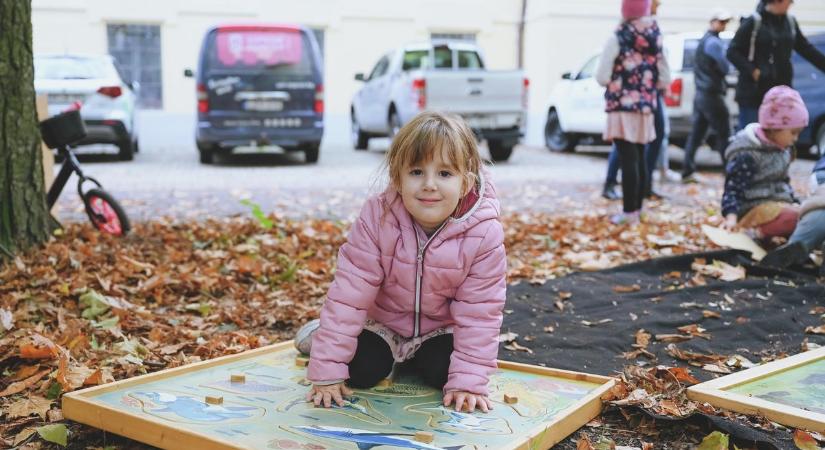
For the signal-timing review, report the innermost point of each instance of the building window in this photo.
(460, 37)
(136, 48)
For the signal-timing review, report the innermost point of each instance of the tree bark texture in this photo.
(24, 216)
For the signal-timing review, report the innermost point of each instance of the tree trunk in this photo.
(24, 216)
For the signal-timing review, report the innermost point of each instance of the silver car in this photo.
(107, 102)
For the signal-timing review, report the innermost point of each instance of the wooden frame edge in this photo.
(715, 392)
(169, 437)
(166, 373)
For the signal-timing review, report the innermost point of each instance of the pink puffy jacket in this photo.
(462, 284)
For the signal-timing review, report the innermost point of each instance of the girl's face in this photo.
(784, 137)
(431, 191)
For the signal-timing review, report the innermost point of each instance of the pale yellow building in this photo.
(160, 38)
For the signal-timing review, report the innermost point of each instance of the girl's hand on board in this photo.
(473, 401)
(326, 394)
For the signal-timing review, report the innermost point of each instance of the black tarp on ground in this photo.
(774, 307)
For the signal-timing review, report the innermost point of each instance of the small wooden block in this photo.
(301, 361)
(237, 378)
(510, 399)
(214, 400)
(424, 436)
(386, 382)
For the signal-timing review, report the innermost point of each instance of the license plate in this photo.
(64, 99)
(480, 122)
(263, 105)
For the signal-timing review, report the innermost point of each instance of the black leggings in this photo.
(373, 361)
(634, 174)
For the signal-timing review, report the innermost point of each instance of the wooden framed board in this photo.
(256, 400)
(790, 391)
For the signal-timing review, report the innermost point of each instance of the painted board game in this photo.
(789, 391)
(256, 400)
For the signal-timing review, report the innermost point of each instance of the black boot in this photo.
(785, 255)
(609, 192)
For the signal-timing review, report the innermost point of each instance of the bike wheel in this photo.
(105, 212)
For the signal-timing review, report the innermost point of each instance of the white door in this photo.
(585, 112)
(373, 115)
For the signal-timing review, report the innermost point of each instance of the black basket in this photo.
(63, 129)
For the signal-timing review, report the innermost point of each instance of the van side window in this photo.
(380, 68)
(443, 57)
(415, 59)
(468, 59)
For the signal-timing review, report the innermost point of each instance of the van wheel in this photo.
(554, 137)
(311, 154)
(360, 140)
(207, 155)
(499, 151)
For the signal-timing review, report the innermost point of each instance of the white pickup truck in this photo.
(447, 77)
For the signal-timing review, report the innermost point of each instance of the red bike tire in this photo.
(100, 203)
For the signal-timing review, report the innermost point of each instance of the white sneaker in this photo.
(303, 339)
(672, 177)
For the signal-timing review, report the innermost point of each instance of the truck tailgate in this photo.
(484, 95)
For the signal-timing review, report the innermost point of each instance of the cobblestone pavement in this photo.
(169, 182)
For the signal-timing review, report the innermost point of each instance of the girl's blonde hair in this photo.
(427, 133)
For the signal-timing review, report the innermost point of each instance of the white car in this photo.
(107, 103)
(575, 109)
(441, 76)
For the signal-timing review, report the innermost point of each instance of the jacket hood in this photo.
(486, 207)
(745, 139)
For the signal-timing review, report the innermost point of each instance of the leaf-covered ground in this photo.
(87, 309)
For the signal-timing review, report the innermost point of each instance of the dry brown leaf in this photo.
(28, 406)
(21, 386)
(626, 289)
(707, 314)
(673, 337)
(24, 372)
(815, 330)
(694, 330)
(515, 346)
(642, 338)
(38, 347)
(719, 269)
(584, 443)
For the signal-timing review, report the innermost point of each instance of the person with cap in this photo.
(761, 52)
(709, 109)
(632, 67)
(810, 231)
(758, 197)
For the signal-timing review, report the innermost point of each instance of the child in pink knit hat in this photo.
(758, 196)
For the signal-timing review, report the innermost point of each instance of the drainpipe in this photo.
(521, 34)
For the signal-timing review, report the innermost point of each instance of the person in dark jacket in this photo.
(761, 51)
(709, 108)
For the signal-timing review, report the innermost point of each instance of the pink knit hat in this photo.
(632, 9)
(782, 108)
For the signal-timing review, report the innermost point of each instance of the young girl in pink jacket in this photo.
(421, 278)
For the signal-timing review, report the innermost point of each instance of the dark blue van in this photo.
(259, 85)
(810, 82)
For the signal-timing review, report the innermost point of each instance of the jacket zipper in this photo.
(419, 274)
